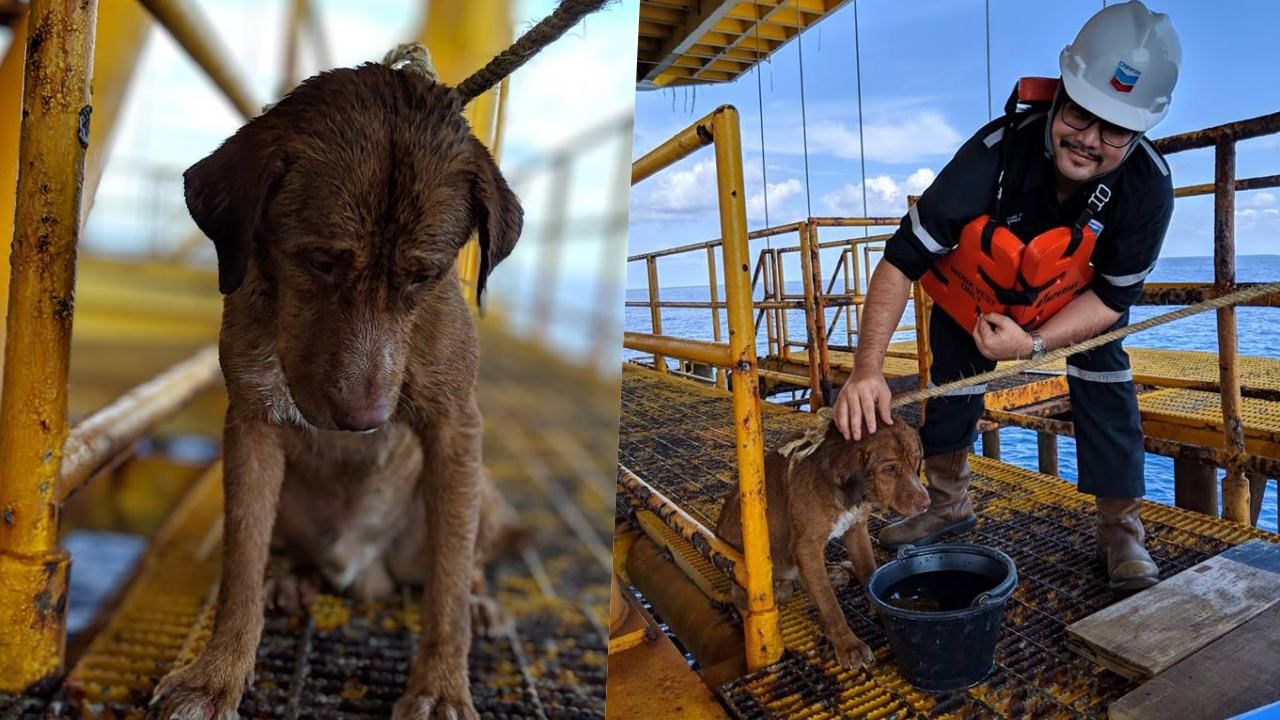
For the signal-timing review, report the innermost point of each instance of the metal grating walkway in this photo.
(676, 435)
(549, 444)
(1195, 416)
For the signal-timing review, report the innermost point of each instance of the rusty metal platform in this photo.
(1195, 416)
(549, 444)
(677, 436)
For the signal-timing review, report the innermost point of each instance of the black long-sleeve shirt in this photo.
(1133, 222)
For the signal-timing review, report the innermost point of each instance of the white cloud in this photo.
(683, 193)
(689, 192)
(886, 196)
(778, 194)
(1257, 214)
(1258, 200)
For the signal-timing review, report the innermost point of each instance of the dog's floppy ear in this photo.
(226, 193)
(497, 212)
(858, 456)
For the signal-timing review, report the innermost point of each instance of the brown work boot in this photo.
(1120, 536)
(949, 508)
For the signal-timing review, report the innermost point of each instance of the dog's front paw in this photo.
(423, 707)
(200, 691)
(852, 653)
(438, 688)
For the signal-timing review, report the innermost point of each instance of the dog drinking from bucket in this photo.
(819, 486)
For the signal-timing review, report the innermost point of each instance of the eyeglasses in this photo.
(1077, 118)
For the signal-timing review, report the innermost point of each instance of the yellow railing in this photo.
(738, 357)
(44, 461)
(769, 275)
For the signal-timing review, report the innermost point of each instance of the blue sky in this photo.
(924, 91)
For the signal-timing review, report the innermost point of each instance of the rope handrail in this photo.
(1222, 301)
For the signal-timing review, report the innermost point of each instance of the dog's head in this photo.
(341, 211)
(888, 464)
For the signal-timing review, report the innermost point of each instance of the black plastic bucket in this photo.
(941, 606)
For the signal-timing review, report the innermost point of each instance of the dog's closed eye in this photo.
(322, 265)
(325, 265)
(424, 275)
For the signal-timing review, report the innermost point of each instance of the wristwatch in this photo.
(1037, 345)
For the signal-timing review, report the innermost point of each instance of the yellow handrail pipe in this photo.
(97, 440)
(721, 127)
(33, 409)
(717, 354)
(192, 31)
(763, 639)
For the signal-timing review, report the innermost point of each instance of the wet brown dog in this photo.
(350, 359)
(819, 486)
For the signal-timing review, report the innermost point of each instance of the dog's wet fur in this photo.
(827, 494)
(353, 439)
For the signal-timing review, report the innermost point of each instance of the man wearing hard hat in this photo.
(1036, 235)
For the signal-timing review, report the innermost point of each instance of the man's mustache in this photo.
(1080, 149)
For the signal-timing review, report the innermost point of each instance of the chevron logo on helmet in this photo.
(1125, 77)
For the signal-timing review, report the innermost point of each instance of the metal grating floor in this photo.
(677, 436)
(1200, 410)
(549, 444)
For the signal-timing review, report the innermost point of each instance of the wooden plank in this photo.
(1147, 633)
(1236, 673)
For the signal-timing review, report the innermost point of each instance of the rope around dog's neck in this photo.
(1234, 298)
(808, 444)
(565, 16)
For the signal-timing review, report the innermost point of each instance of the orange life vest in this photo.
(992, 270)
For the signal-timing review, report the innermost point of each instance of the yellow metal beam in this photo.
(192, 31)
(462, 37)
(721, 128)
(763, 639)
(686, 349)
(33, 410)
(696, 22)
(10, 113)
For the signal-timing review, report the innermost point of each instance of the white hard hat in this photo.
(1123, 65)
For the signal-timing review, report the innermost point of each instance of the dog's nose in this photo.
(922, 500)
(360, 418)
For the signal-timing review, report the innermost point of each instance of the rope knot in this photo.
(414, 58)
(808, 444)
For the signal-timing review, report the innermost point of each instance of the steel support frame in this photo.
(33, 410)
(721, 128)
